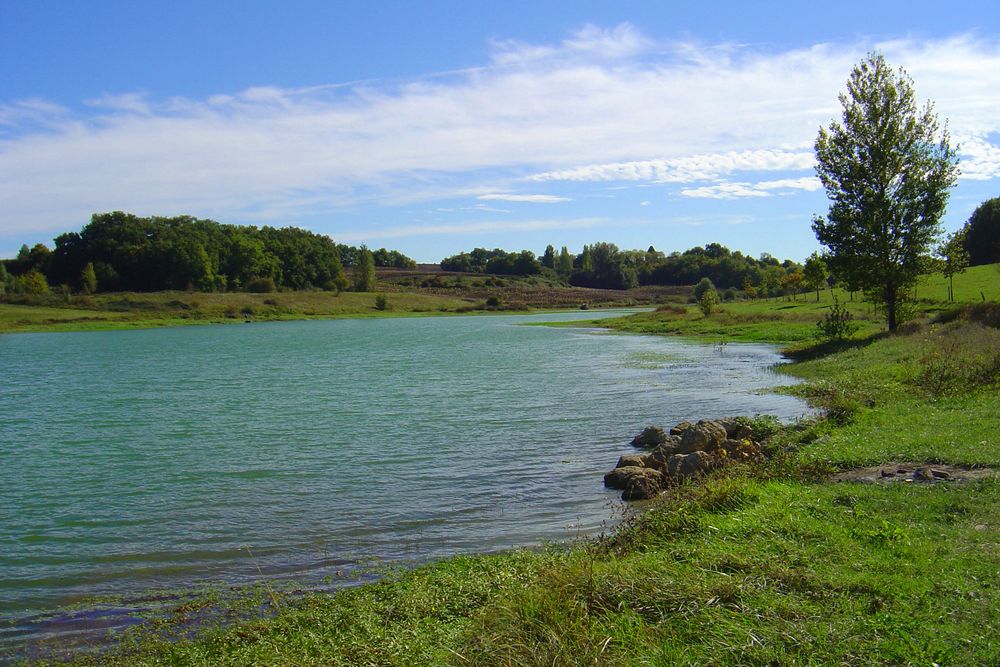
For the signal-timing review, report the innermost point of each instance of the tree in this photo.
(549, 258)
(564, 265)
(3, 278)
(364, 271)
(33, 282)
(954, 259)
(88, 279)
(887, 170)
(792, 281)
(982, 233)
(815, 273)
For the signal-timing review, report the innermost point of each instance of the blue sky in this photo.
(435, 127)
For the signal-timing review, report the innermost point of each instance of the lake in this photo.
(166, 458)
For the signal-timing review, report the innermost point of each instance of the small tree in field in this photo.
(954, 259)
(887, 169)
(88, 279)
(815, 273)
(364, 271)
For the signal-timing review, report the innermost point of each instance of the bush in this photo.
(381, 302)
(494, 302)
(703, 286)
(708, 301)
(838, 323)
(261, 285)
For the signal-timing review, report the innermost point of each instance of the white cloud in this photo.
(533, 199)
(724, 191)
(760, 189)
(602, 105)
(685, 169)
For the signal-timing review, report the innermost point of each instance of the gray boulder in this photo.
(685, 465)
(650, 437)
(617, 478)
(680, 428)
(660, 454)
(643, 486)
(705, 436)
(632, 461)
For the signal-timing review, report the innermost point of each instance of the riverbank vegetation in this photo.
(773, 563)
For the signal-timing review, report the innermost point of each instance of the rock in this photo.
(940, 474)
(705, 436)
(685, 465)
(643, 486)
(617, 478)
(680, 428)
(735, 430)
(660, 454)
(632, 461)
(923, 475)
(650, 437)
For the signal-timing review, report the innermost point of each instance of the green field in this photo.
(766, 564)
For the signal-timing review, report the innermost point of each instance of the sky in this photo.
(435, 127)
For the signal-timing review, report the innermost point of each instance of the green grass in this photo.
(143, 310)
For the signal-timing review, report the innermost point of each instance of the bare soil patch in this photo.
(914, 473)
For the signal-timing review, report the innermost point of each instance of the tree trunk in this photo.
(951, 288)
(890, 312)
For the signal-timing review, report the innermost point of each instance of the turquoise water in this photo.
(132, 460)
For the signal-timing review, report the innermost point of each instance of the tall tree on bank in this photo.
(887, 170)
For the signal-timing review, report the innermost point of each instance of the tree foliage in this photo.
(815, 273)
(887, 169)
(128, 252)
(982, 233)
(364, 271)
(88, 279)
(954, 259)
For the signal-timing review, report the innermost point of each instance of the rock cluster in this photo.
(687, 450)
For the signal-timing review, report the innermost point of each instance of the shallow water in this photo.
(135, 460)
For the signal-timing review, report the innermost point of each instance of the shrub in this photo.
(838, 323)
(703, 286)
(708, 301)
(260, 285)
(381, 302)
(494, 302)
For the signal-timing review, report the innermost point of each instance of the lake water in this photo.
(135, 460)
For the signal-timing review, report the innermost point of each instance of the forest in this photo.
(124, 252)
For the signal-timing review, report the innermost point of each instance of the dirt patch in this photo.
(913, 473)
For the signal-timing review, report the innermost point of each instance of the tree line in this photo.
(123, 252)
(604, 265)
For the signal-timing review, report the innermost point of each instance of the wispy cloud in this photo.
(531, 199)
(727, 190)
(602, 105)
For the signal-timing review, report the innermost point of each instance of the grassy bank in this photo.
(789, 320)
(405, 294)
